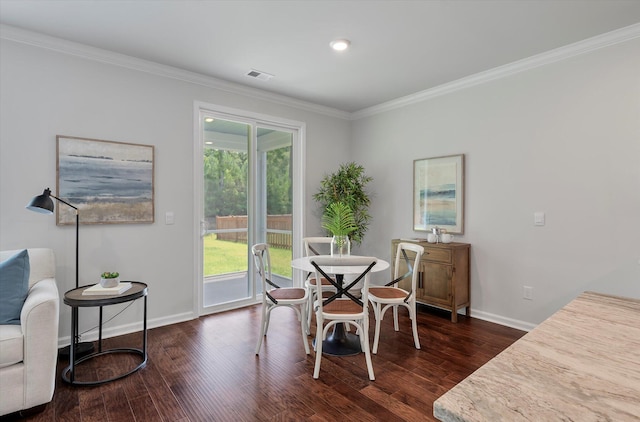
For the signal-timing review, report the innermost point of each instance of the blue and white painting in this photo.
(438, 193)
(109, 182)
(440, 209)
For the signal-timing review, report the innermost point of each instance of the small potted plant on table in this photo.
(109, 279)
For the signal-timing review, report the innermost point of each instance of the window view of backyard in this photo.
(222, 257)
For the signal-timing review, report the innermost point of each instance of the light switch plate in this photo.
(538, 218)
(168, 218)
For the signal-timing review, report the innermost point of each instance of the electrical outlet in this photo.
(527, 292)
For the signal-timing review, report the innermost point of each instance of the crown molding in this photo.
(36, 39)
(590, 44)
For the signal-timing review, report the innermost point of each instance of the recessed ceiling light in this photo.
(340, 45)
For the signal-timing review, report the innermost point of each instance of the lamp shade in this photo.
(42, 203)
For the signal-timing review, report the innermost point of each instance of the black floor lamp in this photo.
(44, 205)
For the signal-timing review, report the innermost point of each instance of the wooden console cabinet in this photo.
(444, 275)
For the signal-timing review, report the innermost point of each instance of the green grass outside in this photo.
(221, 257)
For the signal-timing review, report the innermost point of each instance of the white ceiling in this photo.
(398, 47)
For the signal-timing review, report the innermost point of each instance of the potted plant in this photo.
(338, 219)
(347, 185)
(109, 279)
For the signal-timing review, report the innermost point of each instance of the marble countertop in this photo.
(581, 364)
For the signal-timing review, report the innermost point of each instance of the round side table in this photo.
(75, 299)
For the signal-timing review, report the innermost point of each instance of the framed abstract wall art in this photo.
(438, 193)
(109, 182)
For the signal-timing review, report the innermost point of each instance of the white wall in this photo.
(45, 93)
(563, 138)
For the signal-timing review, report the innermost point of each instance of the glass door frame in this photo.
(298, 130)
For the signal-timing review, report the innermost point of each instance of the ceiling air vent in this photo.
(257, 74)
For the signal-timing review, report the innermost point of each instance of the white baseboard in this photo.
(130, 328)
(509, 322)
(497, 319)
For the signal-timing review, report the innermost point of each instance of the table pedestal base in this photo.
(340, 343)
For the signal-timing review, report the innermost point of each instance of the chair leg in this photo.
(363, 340)
(367, 352)
(414, 325)
(303, 327)
(376, 337)
(395, 318)
(303, 315)
(264, 324)
(310, 309)
(319, 338)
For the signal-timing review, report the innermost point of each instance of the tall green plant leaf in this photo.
(339, 220)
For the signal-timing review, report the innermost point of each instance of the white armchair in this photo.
(28, 352)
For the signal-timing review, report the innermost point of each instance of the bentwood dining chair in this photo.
(392, 296)
(343, 306)
(274, 296)
(314, 246)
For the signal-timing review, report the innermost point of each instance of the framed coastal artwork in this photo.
(109, 182)
(438, 193)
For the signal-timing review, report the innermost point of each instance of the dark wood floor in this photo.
(206, 370)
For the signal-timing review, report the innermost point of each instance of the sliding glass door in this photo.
(248, 196)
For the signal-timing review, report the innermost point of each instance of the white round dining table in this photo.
(339, 342)
(304, 264)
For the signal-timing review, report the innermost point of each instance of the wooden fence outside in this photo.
(279, 229)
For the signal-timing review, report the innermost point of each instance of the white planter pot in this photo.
(109, 282)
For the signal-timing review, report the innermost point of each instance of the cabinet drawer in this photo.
(438, 255)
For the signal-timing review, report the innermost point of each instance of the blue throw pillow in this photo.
(14, 286)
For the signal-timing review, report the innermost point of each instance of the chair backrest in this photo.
(401, 255)
(317, 246)
(358, 266)
(262, 261)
